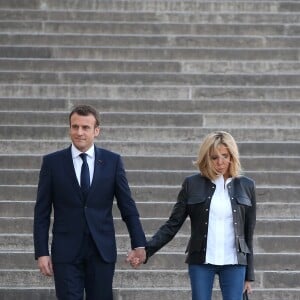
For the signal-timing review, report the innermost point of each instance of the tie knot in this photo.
(83, 156)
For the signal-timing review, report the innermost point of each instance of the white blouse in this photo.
(220, 236)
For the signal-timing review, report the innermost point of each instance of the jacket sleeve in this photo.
(250, 221)
(128, 208)
(167, 231)
(42, 211)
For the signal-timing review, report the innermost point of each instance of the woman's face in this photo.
(221, 160)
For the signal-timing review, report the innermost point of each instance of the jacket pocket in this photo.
(243, 200)
(194, 245)
(243, 246)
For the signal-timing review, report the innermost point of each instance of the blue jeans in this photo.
(231, 279)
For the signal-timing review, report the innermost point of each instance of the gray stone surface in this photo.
(162, 74)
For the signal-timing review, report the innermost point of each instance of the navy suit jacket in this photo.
(59, 189)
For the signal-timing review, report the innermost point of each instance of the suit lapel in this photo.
(69, 170)
(98, 167)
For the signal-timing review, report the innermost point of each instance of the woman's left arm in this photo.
(250, 221)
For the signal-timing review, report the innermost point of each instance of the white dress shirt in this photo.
(77, 161)
(220, 236)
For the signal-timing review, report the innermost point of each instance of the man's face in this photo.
(83, 131)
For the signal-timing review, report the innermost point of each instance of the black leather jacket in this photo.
(194, 201)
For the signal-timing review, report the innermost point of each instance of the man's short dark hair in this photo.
(85, 110)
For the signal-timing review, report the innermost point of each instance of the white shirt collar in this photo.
(75, 152)
(220, 180)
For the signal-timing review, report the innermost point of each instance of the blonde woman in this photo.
(221, 205)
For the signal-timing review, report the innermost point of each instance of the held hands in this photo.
(136, 257)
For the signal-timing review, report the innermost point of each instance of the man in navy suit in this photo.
(83, 249)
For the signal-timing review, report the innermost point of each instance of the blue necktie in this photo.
(84, 175)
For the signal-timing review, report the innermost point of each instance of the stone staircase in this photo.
(162, 74)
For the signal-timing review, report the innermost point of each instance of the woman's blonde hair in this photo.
(210, 145)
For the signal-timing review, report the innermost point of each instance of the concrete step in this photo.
(147, 53)
(158, 119)
(153, 134)
(140, 177)
(169, 51)
(161, 261)
(119, 119)
(159, 177)
(289, 227)
(187, 67)
(91, 65)
(147, 279)
(265, 210)
(10, 293)
(186, 148)
(156, 79)
(149, 294)
(247, 122)
(177, 294)
(146, 294)
(158, 6)
(232, 67)
(98, 39)
(142, 28)
(249, 163)
(262, 244)
(50, 105)
(12, 209)
(153, 17)
(43, 92)
(260, 97)
(135, 106)
(265, 194)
